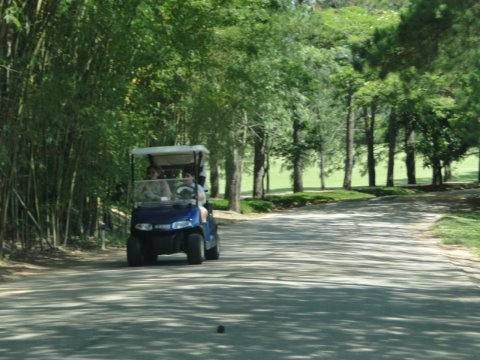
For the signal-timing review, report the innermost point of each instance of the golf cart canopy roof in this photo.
(173, 155)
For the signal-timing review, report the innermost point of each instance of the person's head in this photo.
(152, 172)
(187, 176)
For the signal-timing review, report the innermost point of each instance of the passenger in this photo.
(201, 195)
(155, 190)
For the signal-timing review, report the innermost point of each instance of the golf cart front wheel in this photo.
(134, 252)
(195, 249)
(214, 252)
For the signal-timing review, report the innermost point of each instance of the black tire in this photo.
(150, 258)
(134, 252)
(214, 252)
(195, 249)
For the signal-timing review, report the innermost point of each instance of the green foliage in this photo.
(246, 205)
(438, 36)
(370, 4)
(219, 204)
(355, 25)
(386, 191)
(286, 201)
(424, 29)
(298, 199)
(257, 205)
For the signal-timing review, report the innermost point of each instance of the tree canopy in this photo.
(315, 83)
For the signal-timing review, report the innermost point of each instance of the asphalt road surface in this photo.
(349, 280)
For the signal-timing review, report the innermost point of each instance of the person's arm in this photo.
(201, 196)
(166, 190)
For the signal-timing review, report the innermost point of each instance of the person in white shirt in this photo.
(200, 196)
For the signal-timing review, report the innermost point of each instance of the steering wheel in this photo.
(185, 192)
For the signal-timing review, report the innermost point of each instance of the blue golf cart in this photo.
(166, 216)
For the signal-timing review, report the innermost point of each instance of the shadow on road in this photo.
(336, 281)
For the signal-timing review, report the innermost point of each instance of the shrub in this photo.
(246, 205)
(384, 191)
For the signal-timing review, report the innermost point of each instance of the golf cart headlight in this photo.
(181, 224)
(144, 226)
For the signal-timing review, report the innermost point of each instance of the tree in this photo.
(352, 76)
(438, 36)
(53, 141)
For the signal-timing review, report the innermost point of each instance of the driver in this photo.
(188, 180)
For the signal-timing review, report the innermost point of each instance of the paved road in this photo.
(353, 280)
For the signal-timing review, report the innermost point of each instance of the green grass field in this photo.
(280, 178)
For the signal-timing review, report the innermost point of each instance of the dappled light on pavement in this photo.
(350, 280)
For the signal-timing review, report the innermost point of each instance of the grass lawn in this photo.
(280, 178)
(461, 226)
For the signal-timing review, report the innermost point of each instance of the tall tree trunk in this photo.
(6, 196)
(70, 202)
(297, 154)
(214, 178)
(392, 144)
(349, 146)
(436, 164)
(410, 155)
(229, 172)
(447, 171)
(437, 172)
(235, 165)
(267, 174)
(54, 222)
(478, 171)
(234, 179)
(259, 162)
(321, 160)
(369, 122)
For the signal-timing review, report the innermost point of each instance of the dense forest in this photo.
(309, 82)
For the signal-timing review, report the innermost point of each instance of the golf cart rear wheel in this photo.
(195, 250)
(134, 252)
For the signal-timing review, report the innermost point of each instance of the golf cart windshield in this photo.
(171, 161)
(163, 192)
